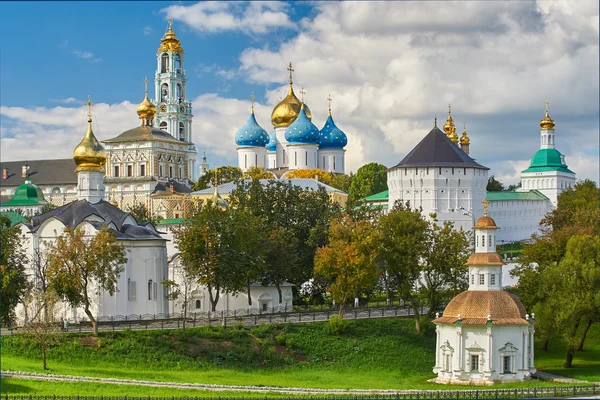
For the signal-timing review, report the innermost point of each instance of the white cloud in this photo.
(86, 55)
(147, 30)
(68, 100)
(246, 17)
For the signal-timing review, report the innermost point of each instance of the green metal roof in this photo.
(27, 194)
(509, 195)
(15, 217)
(171, 221)
(381, 196)
(547, 160)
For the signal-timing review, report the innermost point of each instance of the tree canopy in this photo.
(494, 185)
(369, 179)
(12, 270)
(224, 174)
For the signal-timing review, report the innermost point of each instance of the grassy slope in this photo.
(370, 354)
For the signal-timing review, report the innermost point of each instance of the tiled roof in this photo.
(509, 195)
(474, 306)
(437, 150)
(485, 259)
(41, 172)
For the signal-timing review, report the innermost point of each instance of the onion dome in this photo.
(479, 307)
(449, 125)
(146, 110)
(332, 137)
(89, 155)
(217, 200)
(485, 222)
(547, 122)
(288, 109)
(302, 130)
(169, 42)
(251, 134)
(464, 139)
(26, 194)
(272, 145)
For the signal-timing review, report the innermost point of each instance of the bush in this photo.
(336, 325)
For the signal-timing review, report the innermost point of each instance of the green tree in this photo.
(80, 268)
(404, 234)
(12, 270)
(45, 208)
(494, 185)
(341, 182)
(444, 269)
(141, 213)
(179, 290)
(369, 179)
(258, 173)
(514, 187)
(224, 174)
(349, 258)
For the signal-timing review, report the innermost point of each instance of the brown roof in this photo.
(485, 259)
(486, 222)
(474, 306)
(142, 133)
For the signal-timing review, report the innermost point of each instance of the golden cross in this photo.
(252, 97)
(547, 105)
(302, 93)
(89, 105)
(146, 84)
(170, 24)
(329, 100)
(486, 204)
(291, 70)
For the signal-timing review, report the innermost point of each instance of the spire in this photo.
(252, 97)
(203, 157)
(89, 107)
(302, 92)
(329, 100)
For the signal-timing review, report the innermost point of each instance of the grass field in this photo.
(369, 354)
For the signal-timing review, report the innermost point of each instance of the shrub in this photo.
(336, 325)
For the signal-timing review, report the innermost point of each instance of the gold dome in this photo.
(146, 109)
(89, 155)
(477, 307)
(288, 109)
(464, 139)
(485, 222)
(547, 122)
(449, 128)
(170, 42)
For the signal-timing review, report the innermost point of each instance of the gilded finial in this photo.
(329, 100)
(89, 106)
(291, 71)
(252, 97)
(486, 204)
(302, 92)
(146, 85)
(449, 110)
(547, 103)
(170, 24)
(547, 122)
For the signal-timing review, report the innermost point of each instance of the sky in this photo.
(390, 68)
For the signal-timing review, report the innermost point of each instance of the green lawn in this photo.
(370, 354)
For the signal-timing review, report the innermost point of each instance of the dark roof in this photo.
(437, 150)
(165, 188)
(74, 213)
(41, 172)
(141, 133)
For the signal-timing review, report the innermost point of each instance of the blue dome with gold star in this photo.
(332, 137)
(302, 130)
(251, 134)
(272, 145)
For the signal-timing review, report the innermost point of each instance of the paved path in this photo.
(545, 376)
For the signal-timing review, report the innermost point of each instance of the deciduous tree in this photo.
(494, 185)
(369, 179)
(80, 268)
(223, 175)
(325, 177)
(12, 270)
(258, 173)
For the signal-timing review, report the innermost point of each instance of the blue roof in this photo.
(272, 145)
(332, 137)
(251, 134)
(302, 130)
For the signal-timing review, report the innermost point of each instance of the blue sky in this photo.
(389, 66)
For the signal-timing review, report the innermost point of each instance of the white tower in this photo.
(204, 167)
(484, 335)
(90, 157)
(547, 172)
(174, 113)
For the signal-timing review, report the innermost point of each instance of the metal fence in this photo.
(524, 393)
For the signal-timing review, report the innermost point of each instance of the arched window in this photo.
(178, 63)
(181, 131)
(150, 289)
(198, 304)
(56, 190)
(164, 63)
(164, 92)
(179, 94)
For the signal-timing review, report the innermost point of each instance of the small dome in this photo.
(170, 42)
(89, 155)
(331, 136)
(251, 134)
(474, 306)
(486, 222)
(26, 194)
(464, 139)
(302, 130)
(272, 145)
(146, 109)
(217, 200)
(287, 110)
(547, 122)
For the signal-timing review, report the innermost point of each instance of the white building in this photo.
(484, 335)
(139, 290)
(296, 142)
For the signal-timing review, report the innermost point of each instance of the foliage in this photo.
(336, 325)
(513, 187)
(369, 179)
(341, 182)
(45, 208)
(348, 258)
(12, 270)
(404, 243)
(258, 173)
(322, 176)
(80, 268)
(494, 185)
(141, 213)
(223, 175)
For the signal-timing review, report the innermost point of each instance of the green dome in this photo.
(27, 194)
(547, 160)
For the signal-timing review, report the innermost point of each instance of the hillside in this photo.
(369, 354)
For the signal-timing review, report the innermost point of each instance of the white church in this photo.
(484, 335)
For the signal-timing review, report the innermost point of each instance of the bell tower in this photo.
(174, 111)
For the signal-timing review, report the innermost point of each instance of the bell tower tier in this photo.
(174, 111)
(485, 264)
